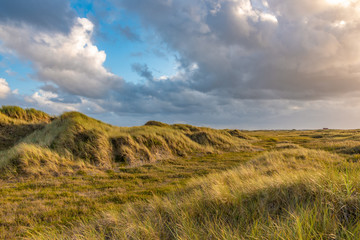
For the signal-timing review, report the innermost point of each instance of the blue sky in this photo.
(121, 52)
(262, 64)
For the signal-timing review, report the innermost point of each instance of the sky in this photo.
(259, 64)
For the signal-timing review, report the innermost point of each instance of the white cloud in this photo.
(259, 63)
(52, 102)
(71, 60)
(4, 88)
(260, 49)
(242, 63)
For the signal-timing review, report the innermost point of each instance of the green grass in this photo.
(33, 205)
(74, 177)
(288, 194)
(28, 115)
(76, 138)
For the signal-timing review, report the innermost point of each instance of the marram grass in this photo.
(289, 194)
(74, 177)
(75, 137)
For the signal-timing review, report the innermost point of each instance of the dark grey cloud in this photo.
(143, 71)
(128, 33)
(246, 64)
(52, 15)
(261, 49)
(159, 53)
(50, 88)
(241, 63)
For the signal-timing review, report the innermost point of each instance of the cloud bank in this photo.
(54, 15)
(241, 63)
(271, 64)
(273, 49)
(247, 63)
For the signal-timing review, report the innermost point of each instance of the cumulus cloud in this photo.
(55, 103)
(71, 61)
(4, 88)
(242, 63)
(262, 49)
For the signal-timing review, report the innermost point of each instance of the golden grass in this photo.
(28, 115)
(75, 136)
(36, 204)
(25, 160)
(78, 178)
(290, 194)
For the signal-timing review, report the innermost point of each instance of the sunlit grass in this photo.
(291, 194)
(36, 204)
(78, 178)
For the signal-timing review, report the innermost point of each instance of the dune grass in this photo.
(74, 138)
(17, 123)
(25, 160)
(74, 177)
(288, 194)
(28, 115)
(33, 205)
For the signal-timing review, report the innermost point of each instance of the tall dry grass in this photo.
(76, 137)
(289, 194)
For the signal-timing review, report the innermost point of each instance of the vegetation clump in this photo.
(186, 128)
(10, 134)
(27, 160)
(29, 115)
(78, 137)
(237, 133)
(156, 123)
(17, 123)
(286, 145)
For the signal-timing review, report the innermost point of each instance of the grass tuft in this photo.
(289, 194)
(29, 115)
(156, 123)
